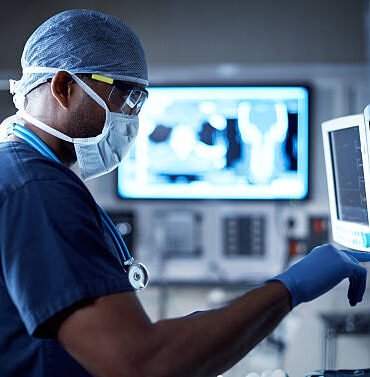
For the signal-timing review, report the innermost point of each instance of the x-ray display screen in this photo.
(348, 172)
(219, 143)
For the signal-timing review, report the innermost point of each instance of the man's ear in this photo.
(61, 88)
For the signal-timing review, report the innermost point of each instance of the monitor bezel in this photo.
(286, 84)
(340, 227)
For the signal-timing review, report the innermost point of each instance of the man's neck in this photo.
(57, 146)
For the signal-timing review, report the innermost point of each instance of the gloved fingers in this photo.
(357, 285)
(361, 256)
(353, 290)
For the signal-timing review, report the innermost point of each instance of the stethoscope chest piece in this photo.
(138, 276)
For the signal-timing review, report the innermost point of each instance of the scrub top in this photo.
(54, 252)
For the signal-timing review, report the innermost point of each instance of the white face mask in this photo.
(100, 154)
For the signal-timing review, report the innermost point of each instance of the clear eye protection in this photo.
(125, 98)
(128, 99)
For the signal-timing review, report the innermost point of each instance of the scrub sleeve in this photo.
(55, 250)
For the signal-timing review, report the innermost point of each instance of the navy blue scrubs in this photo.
(55, 252)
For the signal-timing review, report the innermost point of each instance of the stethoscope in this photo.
(137, 273)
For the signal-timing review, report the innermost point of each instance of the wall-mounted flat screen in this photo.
(229, 142)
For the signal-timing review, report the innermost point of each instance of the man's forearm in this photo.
(113, 336)
(211, 342)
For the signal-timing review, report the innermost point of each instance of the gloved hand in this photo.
(321, 270)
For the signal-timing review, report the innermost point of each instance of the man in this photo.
(67, 306)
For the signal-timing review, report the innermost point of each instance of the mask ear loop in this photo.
(89, 91)
(60, 135)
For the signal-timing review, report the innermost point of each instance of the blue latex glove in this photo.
(321, 270)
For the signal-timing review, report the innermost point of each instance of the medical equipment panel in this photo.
(236, 247)
(220, 142)
(347, 169)
(179, 233)
(244, 235)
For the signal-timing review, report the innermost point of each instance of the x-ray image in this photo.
(220, 142)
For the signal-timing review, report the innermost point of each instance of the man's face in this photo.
(87, 119)
(73, 112)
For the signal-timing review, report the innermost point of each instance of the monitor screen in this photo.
(230, 142)
(349, 182)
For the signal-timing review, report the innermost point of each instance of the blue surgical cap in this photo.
(81, 41)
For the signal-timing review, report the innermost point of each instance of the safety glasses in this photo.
(125, 98)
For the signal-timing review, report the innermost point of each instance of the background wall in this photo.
(207, 32)
(320, 42)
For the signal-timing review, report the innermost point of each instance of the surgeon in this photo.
(68, 306)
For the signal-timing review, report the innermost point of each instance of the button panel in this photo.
(354, 239)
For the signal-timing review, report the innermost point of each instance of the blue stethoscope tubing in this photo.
(138, 277)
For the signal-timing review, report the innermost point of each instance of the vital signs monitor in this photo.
(347, 168)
